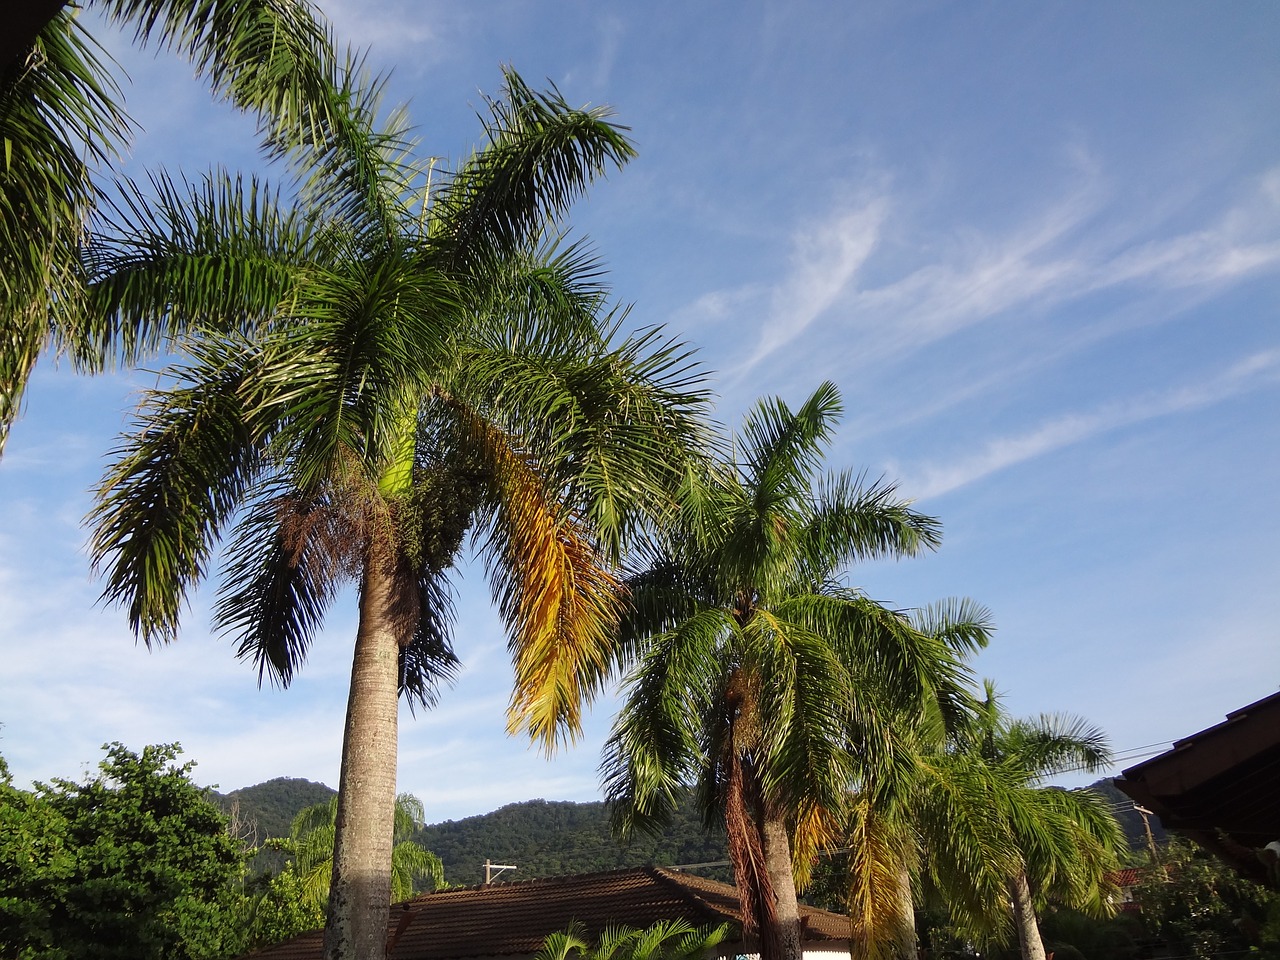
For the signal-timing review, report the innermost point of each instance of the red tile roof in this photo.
(1127, 877)
(512, 919)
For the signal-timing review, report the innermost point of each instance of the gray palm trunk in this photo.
(905, 944)
(1024, 918)
(777, 859)
(360, 900)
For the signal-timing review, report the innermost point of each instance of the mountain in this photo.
(1130, 818)
(544, 838)
(267, 809)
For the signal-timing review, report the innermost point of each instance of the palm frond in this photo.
(59, 120)
(541, 155)
(805, 693)
(219, 255)
(174, 484)
(429, 661)
(564, 944)
(613, 425)
(855, 521)
(655, 748)
(285, 563)
(877, 852)
(1054, 743)
(783, 447)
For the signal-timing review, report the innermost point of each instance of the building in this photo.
(1220, 787)
(509, 921)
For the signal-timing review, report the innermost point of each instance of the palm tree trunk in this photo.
(777, 859)
(905, 943)
(360, 893)
(1024, 918)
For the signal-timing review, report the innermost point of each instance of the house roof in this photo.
(1225, 778)
(512, 919)
(1127, 876)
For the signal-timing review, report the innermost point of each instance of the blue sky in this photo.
(1037, 246)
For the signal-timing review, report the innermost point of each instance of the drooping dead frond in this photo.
(560, 602)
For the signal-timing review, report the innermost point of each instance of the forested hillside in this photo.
(541, 837)
(546, 838)
(268, 808)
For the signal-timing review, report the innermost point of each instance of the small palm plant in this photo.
(413, 866)
(664, 940)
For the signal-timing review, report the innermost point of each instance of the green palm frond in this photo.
(655, 749)
(961, 623)
(1055, 743)
(564, 944)
(541, 155)
(856, 521)
(552, 277)
(673, 940)
(175, 483)
(222, 254)
(967, 847)
(804, 692)
(783, 448)
(59, 120)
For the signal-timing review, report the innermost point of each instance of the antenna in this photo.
(491, 870)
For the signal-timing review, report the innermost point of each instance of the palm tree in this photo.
(61, 122)
(383, 368)
(311, 842)
(1033, 844)
(664, 940)
(750, 660)
(911, 809)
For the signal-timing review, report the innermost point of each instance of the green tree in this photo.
(1202, 908)
(751, 660)
(134, 863)
(62, 121)
(36, 863)
(272, 910)
(409, 360)
(311, 843)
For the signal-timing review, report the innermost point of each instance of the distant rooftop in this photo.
(513, 919)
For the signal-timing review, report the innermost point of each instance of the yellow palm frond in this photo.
(816, 829)
(560, 602)
(877, 857)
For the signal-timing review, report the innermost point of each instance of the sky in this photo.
(1036, 246)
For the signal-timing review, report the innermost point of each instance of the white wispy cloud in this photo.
(1076, 246)
(826, 257)
(393, 28)
(1252, 372)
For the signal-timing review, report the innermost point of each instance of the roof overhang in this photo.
(1221, 786)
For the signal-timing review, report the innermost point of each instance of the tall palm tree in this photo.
(750, 659)
(62, 122)
(381, 369)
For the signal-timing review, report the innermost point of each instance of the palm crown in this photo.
(751, 660)
(395, 359)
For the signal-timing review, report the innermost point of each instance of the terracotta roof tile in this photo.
(512, 919)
